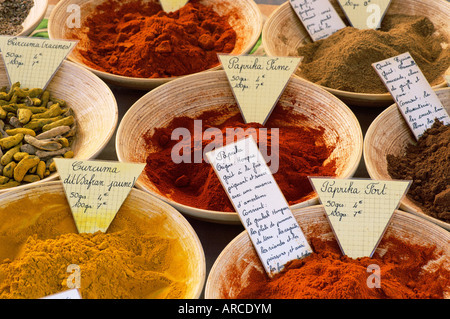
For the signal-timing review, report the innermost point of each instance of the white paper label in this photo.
(318, 16)
(414, 96)
(261, 206)
(33, 61)
(359, 210)
(172, 5)
(258, 82)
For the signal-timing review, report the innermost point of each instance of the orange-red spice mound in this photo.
(327, 274)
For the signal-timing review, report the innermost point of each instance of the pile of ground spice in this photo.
(407, 271)
(138, 257)
(427, 164)
(343, 61)
(302, 152)
(12, 14)
(138, 39)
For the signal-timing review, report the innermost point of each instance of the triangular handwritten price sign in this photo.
(418, 103)
(96, 190)
(319, 17)
(258, 82)
(33, 61)
(365, 14)
(359, 210)
(260, 204)
(172, 5)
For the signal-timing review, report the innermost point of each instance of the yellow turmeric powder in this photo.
(136, 258)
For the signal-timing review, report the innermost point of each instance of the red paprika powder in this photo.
(406, 271)
(138, 39)
(302, 152)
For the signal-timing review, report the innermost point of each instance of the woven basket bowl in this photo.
(94, 106)
(140, 205)
(229, 274)
(195, 94)
(245, 18)
(283, 33)
(389, 134)
(35, 17)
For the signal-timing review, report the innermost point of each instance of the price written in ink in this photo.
(414, 96)
(243, 83)
(318, 17)
(89, 175)
(246, 63)
(16, 53)
(260, 204)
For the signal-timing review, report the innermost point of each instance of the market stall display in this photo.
(312, 108)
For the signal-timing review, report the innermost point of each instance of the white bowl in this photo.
(195, 94)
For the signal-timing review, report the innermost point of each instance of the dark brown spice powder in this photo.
(405, 273)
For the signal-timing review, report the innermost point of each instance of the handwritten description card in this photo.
(33, 61)
(359, 210)
(319, 17)
(258, 82)
(365, 14)
(95, 190)
(261, 206)
(414, 96)
(172, 5)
